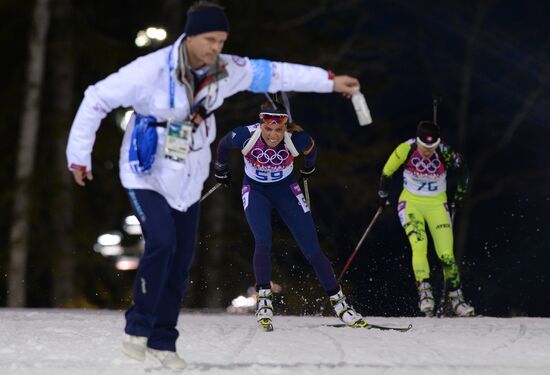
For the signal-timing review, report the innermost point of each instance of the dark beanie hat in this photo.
(206, 19)
(428, 132)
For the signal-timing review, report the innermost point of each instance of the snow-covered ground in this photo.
(75, 342)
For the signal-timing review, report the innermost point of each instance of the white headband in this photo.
(428, 145)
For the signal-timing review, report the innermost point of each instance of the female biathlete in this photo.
(269, 148)
(426, 161)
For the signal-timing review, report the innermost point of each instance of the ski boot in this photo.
(346, 312)
(460, 307)
(264, 309)
(426, 303)
(167, 358)
(134, 346)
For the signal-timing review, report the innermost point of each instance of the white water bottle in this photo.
(361, 108)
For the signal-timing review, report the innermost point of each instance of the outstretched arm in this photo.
(258, 75)
(346, 85)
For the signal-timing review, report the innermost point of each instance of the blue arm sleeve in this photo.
(261, 75)
(302, 141)
(234, 139)
(309, 159)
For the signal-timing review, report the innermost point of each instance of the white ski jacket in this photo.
(150, 86)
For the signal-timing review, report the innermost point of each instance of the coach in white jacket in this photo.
(165, 155)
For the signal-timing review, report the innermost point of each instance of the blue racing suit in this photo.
(269, 184)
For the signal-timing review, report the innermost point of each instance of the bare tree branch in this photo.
(26, 151)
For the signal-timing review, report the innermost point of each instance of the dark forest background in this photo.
(489, 61)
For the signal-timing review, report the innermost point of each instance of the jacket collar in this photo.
(216, 71)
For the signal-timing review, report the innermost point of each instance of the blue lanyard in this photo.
(171, 68)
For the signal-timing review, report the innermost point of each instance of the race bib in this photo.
(178, 140)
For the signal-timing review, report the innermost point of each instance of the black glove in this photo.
(456, 204)
(458, 197)
(222, 175)
(382, 199)
(307, 172)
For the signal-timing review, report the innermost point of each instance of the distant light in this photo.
(109, 251)
(145, 37)
(142, 40)
(108, 244)
(123, 124)
(155, 33)
(242, 301)
(161, 34)
(109, 239)
(132, 226)
(127, 263)
(131, 220)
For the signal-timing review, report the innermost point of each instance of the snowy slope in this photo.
(59, 342)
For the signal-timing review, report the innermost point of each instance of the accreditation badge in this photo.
(179, 135)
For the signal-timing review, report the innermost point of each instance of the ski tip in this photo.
(373, 326)
(387, 328)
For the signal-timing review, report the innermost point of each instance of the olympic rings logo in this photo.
(423, 165)
(270, 156)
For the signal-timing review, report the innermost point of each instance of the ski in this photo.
(386, 328)
(374, 326)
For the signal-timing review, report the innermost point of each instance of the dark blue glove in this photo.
(222, 175)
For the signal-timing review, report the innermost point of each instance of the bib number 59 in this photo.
(269, 176)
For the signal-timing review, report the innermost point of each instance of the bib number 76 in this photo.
(430, 186)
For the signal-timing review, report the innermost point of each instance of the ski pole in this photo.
(378, 213)
(306, 191)
(453, 212)
(213, 189)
